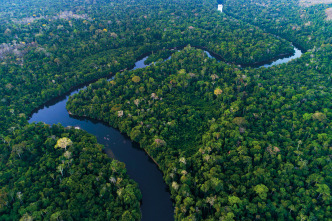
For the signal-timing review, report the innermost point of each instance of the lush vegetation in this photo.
(232, 143)
(43, 42)
(305, 26)
(56, 173)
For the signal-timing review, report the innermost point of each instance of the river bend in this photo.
(156, 201)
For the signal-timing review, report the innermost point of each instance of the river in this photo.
(269, 63)
(156, 201)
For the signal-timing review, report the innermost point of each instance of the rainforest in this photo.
(165, 110)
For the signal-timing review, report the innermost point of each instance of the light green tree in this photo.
(26, 217)
(63, 143)
(261, 190)
(323, 189)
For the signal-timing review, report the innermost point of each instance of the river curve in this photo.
(156, 201)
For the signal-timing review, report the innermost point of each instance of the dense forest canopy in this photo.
(233, 143)
(56, 173)
(213, 131)
(294, 20)
(42, 45)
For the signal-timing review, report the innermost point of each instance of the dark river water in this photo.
(272, 62)
(156, 202)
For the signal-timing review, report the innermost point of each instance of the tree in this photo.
(240, 121)
(307, 116)
(56, 216)
(160, 142)
(319, 116)
(217, 91)
(57, 61)
(26, 217)
(19, 195)
(136, 102)
(61, 168)
(18, 149)
(3, 198)
(323, 189)
(7, 140)
(67, 154)
(233, 200)
(136, 79)
(2, 137)
(261, 190)
(127, 216)
(63, 143)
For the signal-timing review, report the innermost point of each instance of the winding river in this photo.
(156, 201)
(269, 63)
